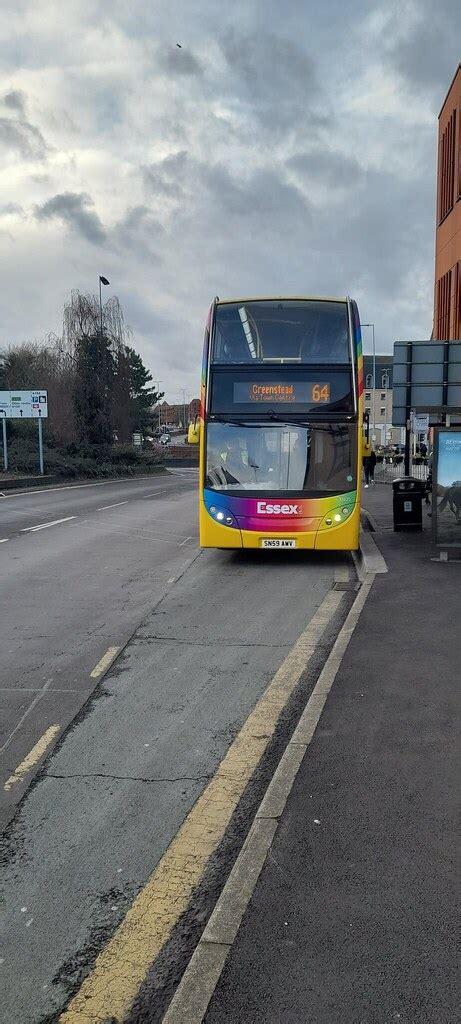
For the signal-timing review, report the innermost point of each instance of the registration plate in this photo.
(274, 542)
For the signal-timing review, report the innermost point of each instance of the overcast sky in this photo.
(285, 148)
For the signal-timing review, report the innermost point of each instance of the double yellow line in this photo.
(121, 967)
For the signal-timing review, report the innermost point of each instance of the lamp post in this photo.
(373, 417)
(102, 280)
(184, 408)
(158, 383)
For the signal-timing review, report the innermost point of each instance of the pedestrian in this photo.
(428, 486)
(366, 462)
(371, 465)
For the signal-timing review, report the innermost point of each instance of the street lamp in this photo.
(102, 280)
(184, 393)
(158, 383)
(374, 382)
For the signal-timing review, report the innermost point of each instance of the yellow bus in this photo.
(280, 425)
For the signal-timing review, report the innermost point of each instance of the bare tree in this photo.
(45, 365)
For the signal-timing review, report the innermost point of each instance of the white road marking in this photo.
(104, 663)
(27, 712)
(135, 532)
(32, 757)
(161, 491)
(185, 541)
(75, 487)
(4, 540)
(115, 505)
(44, 526)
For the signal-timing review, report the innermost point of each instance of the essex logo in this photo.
(265, 509)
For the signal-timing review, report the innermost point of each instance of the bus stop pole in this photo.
(5, 445)
(40, 445)
(408, 408)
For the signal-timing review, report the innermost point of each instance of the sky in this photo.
(283, 148)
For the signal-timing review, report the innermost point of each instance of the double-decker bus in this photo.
(280, 427)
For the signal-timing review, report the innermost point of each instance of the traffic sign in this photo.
(24, 405)
(420, 423)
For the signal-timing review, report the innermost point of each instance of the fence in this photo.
(386, 472)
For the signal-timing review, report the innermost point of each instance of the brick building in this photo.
(447, 293)
(173, 415)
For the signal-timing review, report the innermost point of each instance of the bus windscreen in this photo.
(302, 331)
(273, 458)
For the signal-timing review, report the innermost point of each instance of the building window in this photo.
(444, 306)
(457, 298)
(447, 168)
(367, 409)
(383, 396)
(368, 381)
(383, 410)
(367, 396)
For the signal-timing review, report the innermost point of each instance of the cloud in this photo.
(180, 62)
(22, 138)
(15, 100)
(166, 176)
(334, 169)
(72, 208)
(424, 46)
(262, 193)
(11, 209)
(281, 150)
(274, 77)
(140, 231)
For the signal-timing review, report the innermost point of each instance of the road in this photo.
(80, 567)
(89, 569)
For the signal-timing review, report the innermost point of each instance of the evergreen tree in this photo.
(95, 374)
(142, 397)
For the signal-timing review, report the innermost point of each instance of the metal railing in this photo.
(387, 471)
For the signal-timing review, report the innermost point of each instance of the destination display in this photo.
(299, 392)
(296, 392)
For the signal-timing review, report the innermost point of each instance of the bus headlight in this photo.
(222, 516)
(336, 516)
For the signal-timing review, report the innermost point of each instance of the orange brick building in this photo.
(447, 295)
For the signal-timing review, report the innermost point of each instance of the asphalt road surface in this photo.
(79, 568)
(216, 627)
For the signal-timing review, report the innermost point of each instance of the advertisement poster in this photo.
(446, 512)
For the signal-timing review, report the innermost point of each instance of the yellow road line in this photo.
(31, 760)
(121, 967)
(104, 663)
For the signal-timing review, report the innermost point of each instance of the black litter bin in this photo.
(408, 503)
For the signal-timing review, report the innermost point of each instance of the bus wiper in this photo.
(283, 419)
(234, 422)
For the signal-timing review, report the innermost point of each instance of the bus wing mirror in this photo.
(193, 433)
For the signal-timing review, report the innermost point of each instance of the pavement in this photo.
(201, 639)
(353, 919)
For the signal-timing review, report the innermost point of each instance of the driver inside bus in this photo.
(229, 462)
